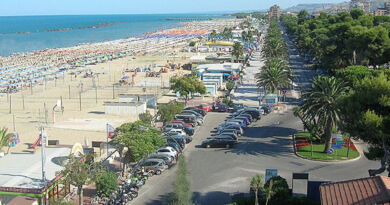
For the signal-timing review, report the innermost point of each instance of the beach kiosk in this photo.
(269, 99)
(25, 184)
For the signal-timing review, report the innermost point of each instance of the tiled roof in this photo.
(370, 190)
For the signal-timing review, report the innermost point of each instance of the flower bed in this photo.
(315, 151)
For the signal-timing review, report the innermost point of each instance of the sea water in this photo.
(29, 33)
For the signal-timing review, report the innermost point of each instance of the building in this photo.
(226, 69)
(383, 11)
(360, 4)
(149, 99)
(219, 46)
(380, 12)
(21, 179)
(370, 190)
(274, 12)
(124, 108)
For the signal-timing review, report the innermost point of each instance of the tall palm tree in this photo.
(237, 50)
(321, 104)
(257, 183)
(275, 74)
(5, 138)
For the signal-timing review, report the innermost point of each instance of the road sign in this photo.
(269, 173)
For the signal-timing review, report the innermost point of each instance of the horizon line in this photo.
(162, 13)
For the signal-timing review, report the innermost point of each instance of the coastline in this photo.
(83, 96)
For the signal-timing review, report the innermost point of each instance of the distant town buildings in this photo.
(385, 11)
(360, 4)
(274, 12)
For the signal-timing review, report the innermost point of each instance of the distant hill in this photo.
(308, 7)
(328, 6)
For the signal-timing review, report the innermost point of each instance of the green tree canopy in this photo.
(187, 85)
(167, 112)
(366, 116)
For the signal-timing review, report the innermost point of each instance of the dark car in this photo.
(186, 119)
(238, 106)
(243, 118)
(198, 110)
(229, 133)
(220, 107)
(176, 139)
(247, 116)
(254, 113)
(215, 142)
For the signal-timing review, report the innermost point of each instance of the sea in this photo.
(29, 33)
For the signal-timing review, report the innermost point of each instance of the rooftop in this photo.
(24, 170)
(370, 190)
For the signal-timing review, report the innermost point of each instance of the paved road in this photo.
(218, 173)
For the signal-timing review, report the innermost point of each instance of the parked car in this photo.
(220, 107)
(155, 165)
(247, 116)
(184, 123)
(174, 126)
(240, 121)
(167, 150)
(187, 138)
(178, 139)
(205, 107)
(238, 129)
(191, 112)
(226, 124)
(256, 115)
(175, 146)
(246, 120)
(167, 159)
(198, 110)
(238, 106)
(216, 142)
(230, 132)
(187, 119)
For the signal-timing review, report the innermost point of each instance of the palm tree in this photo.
(5, 138)
(321, 104)
(257, 183)
(274, 74)
(237, 50)
(213, 35)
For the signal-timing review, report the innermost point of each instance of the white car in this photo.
(167, 151)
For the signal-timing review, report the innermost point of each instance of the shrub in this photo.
(146, 117)
(106, 184)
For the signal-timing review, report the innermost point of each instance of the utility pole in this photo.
(96, 94)
(113, 91)
(23, 99)
(43, 158)
(80, 99)
(69, 92)
(13, 121)
(10, 104)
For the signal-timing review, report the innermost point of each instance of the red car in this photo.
(183, 123)
(205, 107)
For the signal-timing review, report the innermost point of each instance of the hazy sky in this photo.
(49, 7)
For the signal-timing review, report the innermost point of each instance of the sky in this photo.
(73, 7)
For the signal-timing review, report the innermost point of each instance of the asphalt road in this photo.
(218, 173)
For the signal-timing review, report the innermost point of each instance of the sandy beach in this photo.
(29, 107)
